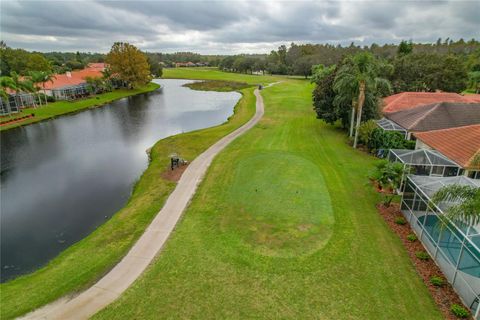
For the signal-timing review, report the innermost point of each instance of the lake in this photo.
(62, 178)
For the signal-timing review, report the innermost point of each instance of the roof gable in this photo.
(459, 144)
(437, 116)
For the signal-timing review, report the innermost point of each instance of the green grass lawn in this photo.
(215, 74)
(217, 85)
(58, 108)
(86, 261)
(283, 226)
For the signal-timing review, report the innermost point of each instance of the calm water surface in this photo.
(61, 179)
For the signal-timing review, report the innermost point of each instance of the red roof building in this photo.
(458, 144)
(73, 78)
(409, 100)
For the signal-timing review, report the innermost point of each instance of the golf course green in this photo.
(283, 226)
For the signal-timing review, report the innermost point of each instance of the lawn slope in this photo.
(284, 225)
(86, 261)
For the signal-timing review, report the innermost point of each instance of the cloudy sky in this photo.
(230, 26)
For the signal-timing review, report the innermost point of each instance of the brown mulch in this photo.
(444, 296)
(12, 121)
(175, 174)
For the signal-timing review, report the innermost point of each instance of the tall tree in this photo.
(358, 75)
(129, 64)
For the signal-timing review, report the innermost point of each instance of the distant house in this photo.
(460, 145)
(72, 84)
(429, 117)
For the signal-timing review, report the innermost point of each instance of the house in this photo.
(430, 117)
(410, 100)
(72, 84)
(461, 145)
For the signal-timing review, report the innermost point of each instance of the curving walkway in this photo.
(115, 282)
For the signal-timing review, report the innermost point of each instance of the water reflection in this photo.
(59, 179)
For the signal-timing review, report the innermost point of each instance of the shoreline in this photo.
(157, 164)
(150, 87)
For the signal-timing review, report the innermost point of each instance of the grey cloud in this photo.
(229, 26)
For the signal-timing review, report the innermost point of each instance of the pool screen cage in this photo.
(389, 125)
(454, 246)
(425, 162)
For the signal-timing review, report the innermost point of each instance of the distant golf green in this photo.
(283, 226)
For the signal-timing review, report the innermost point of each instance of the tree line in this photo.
(417, 66)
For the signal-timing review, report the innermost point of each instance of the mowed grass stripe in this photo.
(210, 269)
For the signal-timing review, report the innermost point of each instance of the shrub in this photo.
(422, 255)
(411, 237)
(365, 131)
(400, 220)
(383, 139)
(437, 281)
(459, 311)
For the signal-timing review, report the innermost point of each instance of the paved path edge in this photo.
(117, 280)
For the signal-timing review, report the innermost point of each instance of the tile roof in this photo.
(409, 100)
(458, 144)
(473, 97)
(74, 77)
(437, 116)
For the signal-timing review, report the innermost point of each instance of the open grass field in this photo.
(215, 74)
(83, 263)
(58, 108)
(283, 226)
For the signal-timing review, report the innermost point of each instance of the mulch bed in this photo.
(444, 296)
(8, 122)
(175, 174)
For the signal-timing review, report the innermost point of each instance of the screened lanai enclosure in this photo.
(453, 245)
(425, 162)
(389, 125)
(71, 92)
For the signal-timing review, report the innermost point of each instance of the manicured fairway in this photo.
(86, 261)
(284, 225)
(215, 74)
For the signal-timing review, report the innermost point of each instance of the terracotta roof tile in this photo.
(473, 97)
(73, 78)
(409, 100)
(459, 144)
(437, 116)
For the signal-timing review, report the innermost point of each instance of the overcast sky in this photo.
(228, 27)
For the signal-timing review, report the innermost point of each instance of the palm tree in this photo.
(20, 85)
(465, 202)
(37, 77)
(47, 77)
(359, 76)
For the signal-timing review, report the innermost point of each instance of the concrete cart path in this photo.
(115, 282)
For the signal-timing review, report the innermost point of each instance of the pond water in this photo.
(63, 178)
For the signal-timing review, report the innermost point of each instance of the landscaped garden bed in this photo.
(443, 294)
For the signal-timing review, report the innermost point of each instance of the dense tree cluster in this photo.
(128, 64)
(350, 91)
(445, 65)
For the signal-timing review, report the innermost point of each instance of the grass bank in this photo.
(217, 85)
(59, 108)
(86, 261)
(284, 225)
